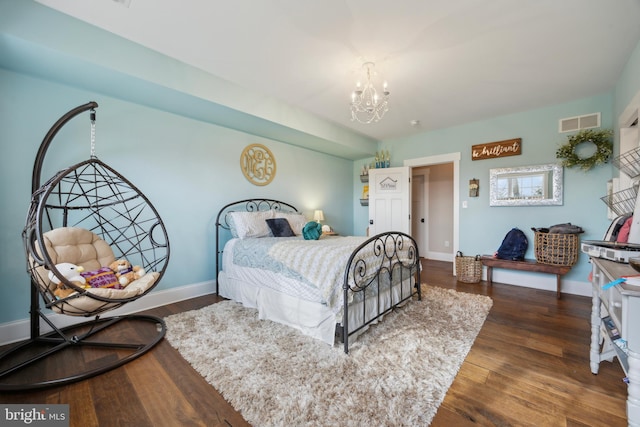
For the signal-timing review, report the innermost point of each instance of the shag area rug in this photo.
(396, 374)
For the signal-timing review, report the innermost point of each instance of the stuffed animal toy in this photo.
(125, 272)
(71, 272)
(103, 277)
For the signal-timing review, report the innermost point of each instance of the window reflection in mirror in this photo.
(526, 186)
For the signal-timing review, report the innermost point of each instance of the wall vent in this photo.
(588, 121)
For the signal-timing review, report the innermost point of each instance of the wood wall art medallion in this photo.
(258, 164)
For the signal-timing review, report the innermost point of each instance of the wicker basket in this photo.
(468, 268)
(556, 248)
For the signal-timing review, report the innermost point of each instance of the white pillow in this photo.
(251, 224)
(296, 220)
(232, 226)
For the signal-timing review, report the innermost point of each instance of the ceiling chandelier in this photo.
(367, 105)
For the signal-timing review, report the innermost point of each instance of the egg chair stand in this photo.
(87, 215)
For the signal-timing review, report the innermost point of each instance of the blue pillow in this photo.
(280, 227)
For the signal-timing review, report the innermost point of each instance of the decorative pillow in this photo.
(251, 224)
(623, 234)
(102, 278)
(312, 230)
(280, 227)
(296, 220)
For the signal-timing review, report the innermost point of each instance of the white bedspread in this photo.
(321, 262)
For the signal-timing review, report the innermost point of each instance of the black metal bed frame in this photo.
(359, 275)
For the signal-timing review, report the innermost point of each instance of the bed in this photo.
(332, 288)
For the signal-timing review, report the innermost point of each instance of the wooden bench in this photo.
(527, 265)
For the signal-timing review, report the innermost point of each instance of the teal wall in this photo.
(482, 227)
(189, 169)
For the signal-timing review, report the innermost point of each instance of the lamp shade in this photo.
(318, 215)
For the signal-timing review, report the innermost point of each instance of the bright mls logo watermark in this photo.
(34, 415)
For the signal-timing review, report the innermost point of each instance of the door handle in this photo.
(371, 222)
(422, 220)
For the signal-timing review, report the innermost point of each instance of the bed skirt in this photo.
(311, 318)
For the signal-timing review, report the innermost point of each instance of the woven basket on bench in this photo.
(556, 248)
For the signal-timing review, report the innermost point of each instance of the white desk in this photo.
(622, 303)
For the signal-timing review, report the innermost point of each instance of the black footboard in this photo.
(382, 265)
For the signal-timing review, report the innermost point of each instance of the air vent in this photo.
(588, 121)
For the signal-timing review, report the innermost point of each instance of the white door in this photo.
(389, 200)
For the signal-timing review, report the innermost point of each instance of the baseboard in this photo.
(439, 256)
(545, 282)
(19, 330)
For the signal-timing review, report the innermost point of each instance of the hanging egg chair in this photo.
(93, 243)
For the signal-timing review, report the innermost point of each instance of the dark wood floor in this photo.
(528, 366)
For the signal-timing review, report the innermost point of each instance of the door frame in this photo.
(436, 160)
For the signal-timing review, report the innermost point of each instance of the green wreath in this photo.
(601, 139)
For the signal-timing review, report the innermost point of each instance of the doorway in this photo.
(454, 160)
(420, 208)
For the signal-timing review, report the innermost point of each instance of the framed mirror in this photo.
(539, 185)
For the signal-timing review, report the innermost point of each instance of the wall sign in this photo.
(258, 164)
(493, 150)
(387, 183)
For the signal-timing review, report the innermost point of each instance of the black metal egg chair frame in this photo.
(87, 215)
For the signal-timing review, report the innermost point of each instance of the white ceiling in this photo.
(447, 62)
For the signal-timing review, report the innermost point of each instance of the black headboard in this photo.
(248, 205)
